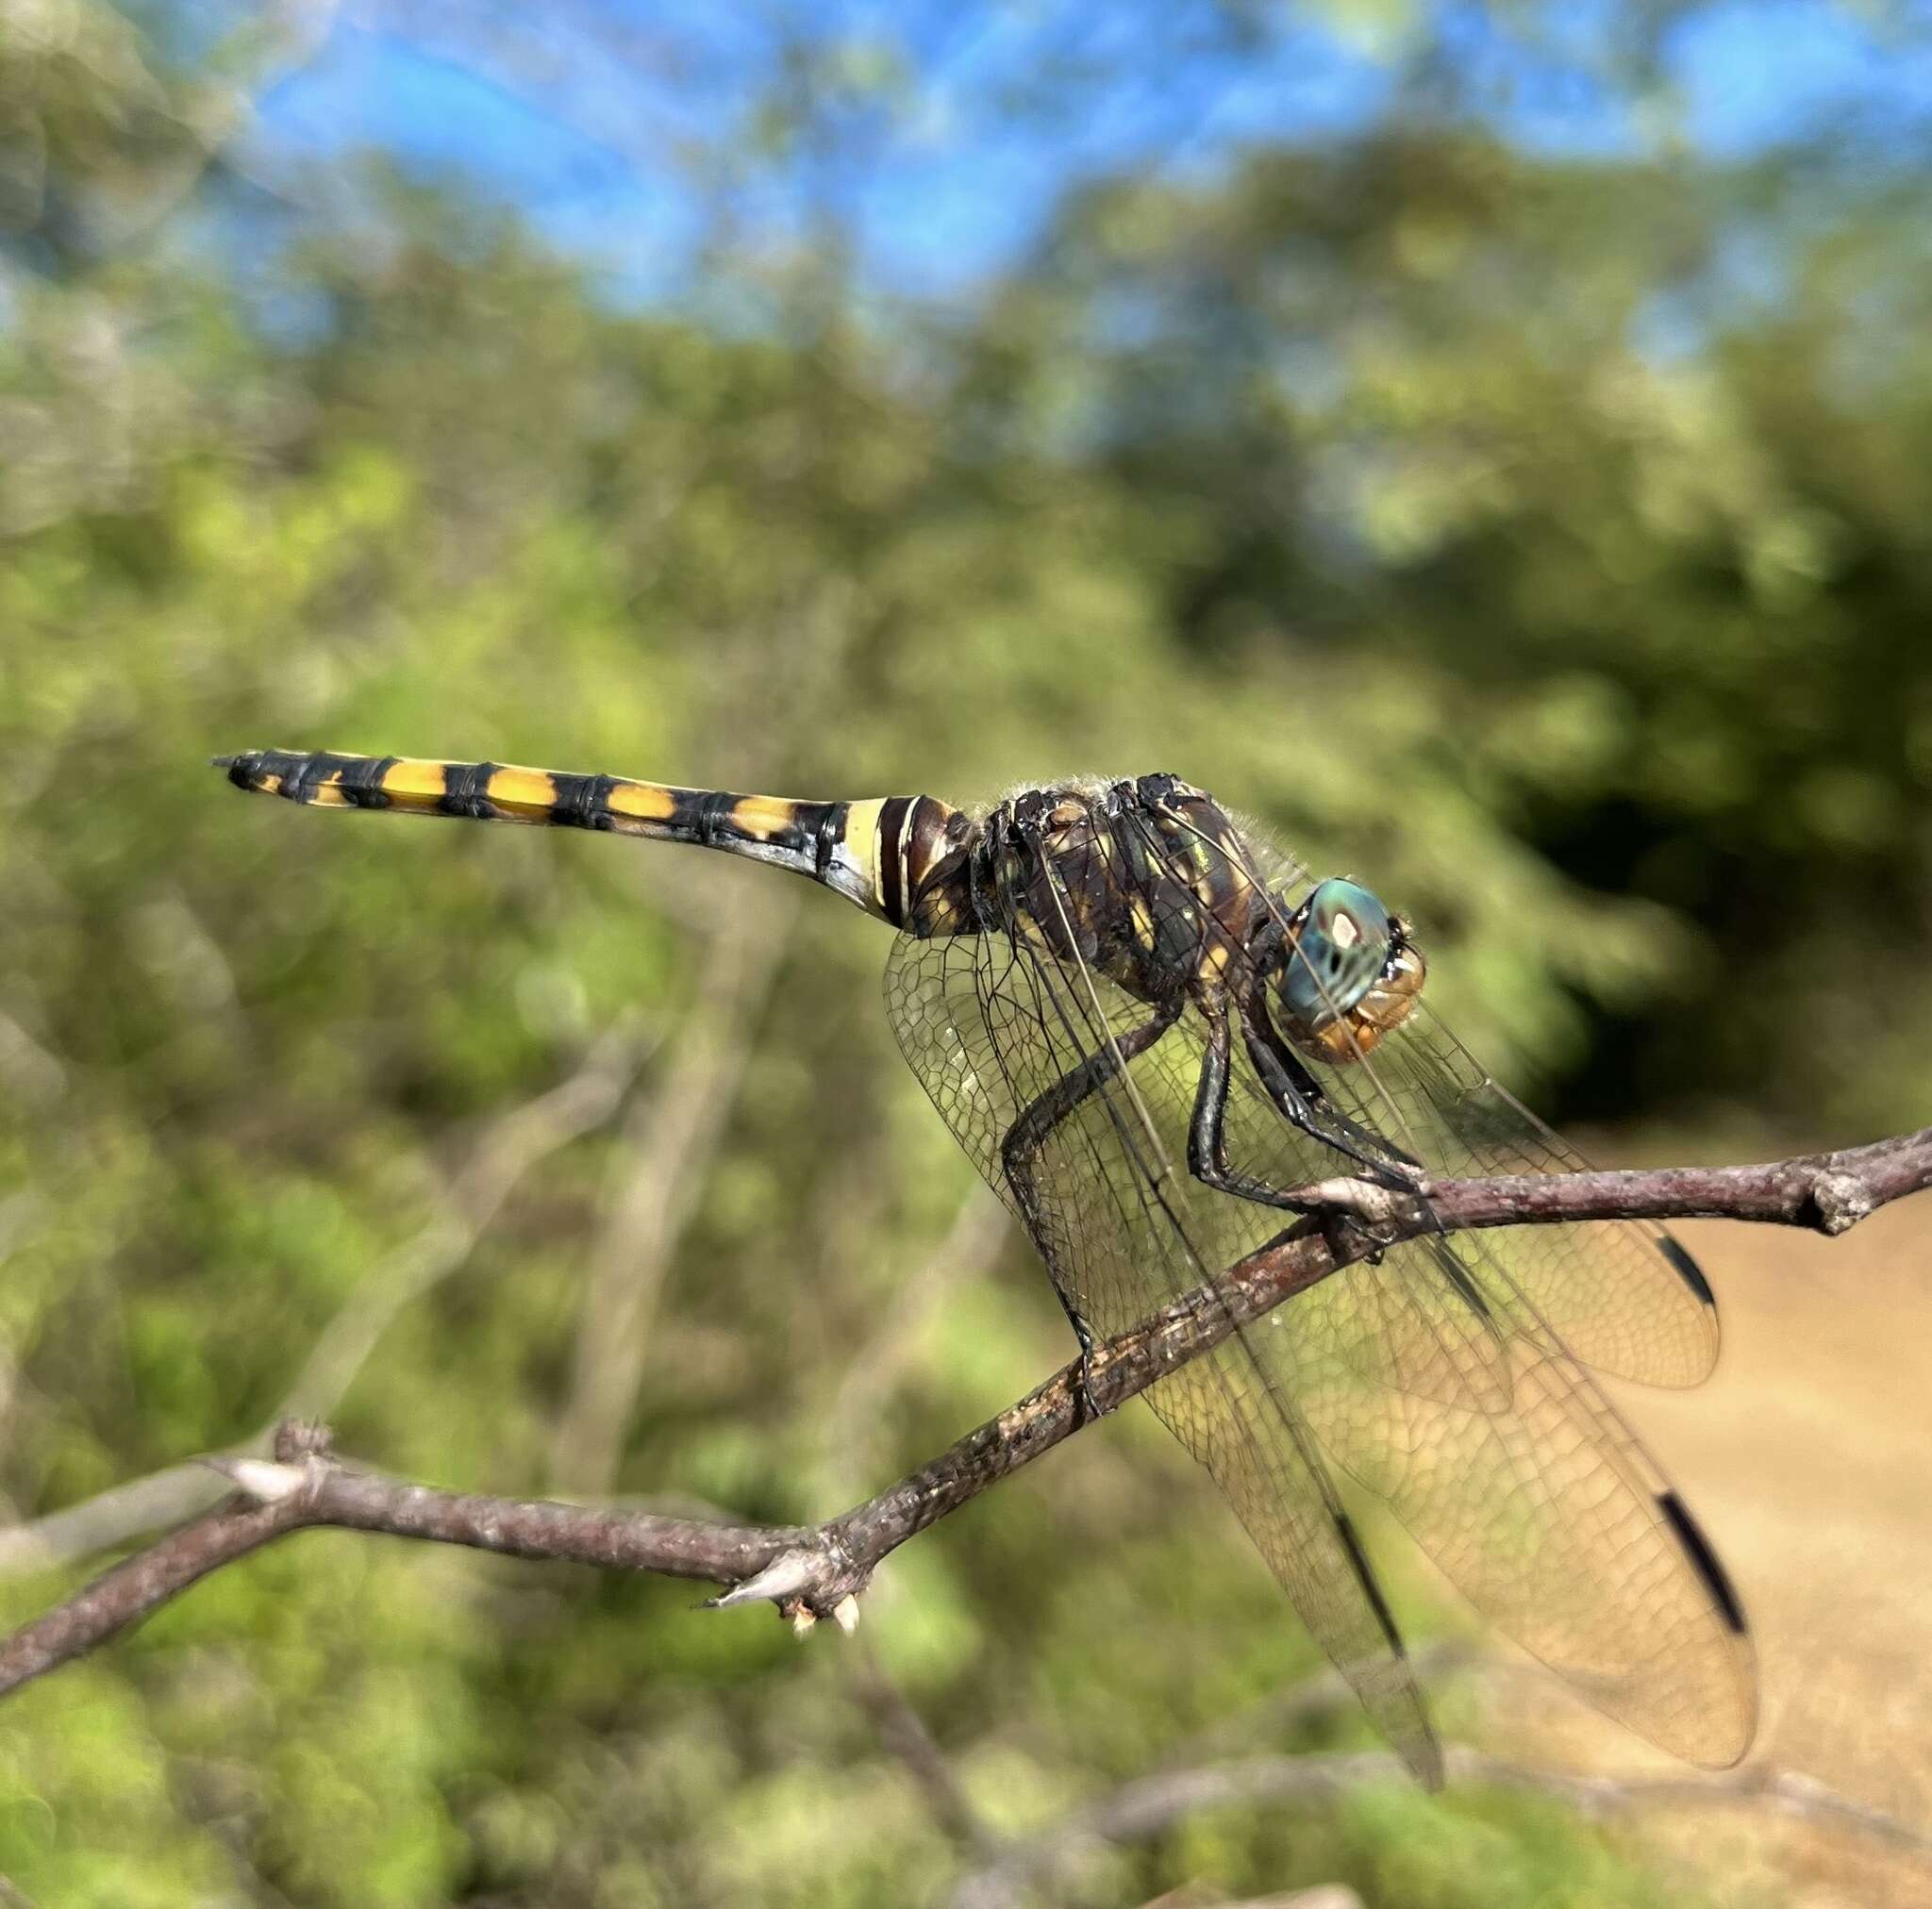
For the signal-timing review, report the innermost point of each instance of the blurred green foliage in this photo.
(1449, 509)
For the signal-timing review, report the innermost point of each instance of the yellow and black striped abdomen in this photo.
(874, 853)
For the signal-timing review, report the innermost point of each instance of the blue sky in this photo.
(590, 126)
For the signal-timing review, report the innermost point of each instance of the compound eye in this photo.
(1341, 940)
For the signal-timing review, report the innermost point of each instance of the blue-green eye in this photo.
(1341, 941)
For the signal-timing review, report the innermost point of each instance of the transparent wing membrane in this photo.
(1445, 1380)
(989, 1030)
(1623, 1295)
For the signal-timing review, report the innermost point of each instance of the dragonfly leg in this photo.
(1207, 1140)
(1296, 1092)
(1030, 1131)
(1207, 1146)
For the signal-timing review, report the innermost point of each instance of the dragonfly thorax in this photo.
(1139, 882)
(1151, 884)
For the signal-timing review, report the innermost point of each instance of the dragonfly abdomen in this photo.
(879, 855)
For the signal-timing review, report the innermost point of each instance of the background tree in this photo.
(1539, 530)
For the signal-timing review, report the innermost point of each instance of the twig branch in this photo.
(1828, 1193)
(817, 1571)
(506, 1149)
(902, 1732)
(110, 1517)
(667, 1143)
(1147, 1807)
(848, 1427)
(304, 1485)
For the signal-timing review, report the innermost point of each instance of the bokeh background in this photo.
(1491, 445)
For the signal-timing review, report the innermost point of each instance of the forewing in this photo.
(1545, 1512)
(1623, 1295)
(989, 1027)
(1434, 1380)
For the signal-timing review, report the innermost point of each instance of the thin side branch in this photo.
(1828, 1193)
(667, 1145)
(1139, 1811)
(818, 1571)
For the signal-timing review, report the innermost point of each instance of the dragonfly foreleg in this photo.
(1299, 1097)
(1029, 1133)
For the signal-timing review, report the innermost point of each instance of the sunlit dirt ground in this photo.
(1808, 1458)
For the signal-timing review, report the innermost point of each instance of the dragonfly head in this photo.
(1352, 972)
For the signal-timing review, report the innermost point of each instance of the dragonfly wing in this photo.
(1554, 1521)
(1481, 1432)
(989, 1026)
(1621, 1294)
(1545, 1512)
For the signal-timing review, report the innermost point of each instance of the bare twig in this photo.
(819, 1571)
(979, 1229)
(902, 1732)
(107, 1518)
(510, 1147)
(1324, 1691)
(1828, 1193)
(1788, 1792)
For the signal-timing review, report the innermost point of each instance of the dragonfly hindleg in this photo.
(1023, 1140)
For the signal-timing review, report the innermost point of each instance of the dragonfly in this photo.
(1148, 1026)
